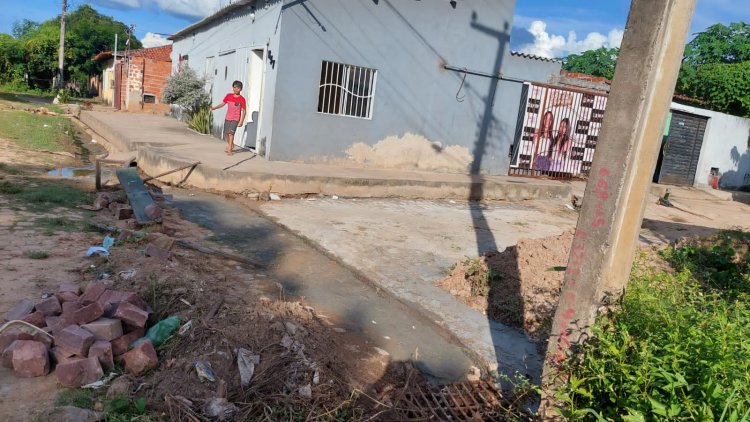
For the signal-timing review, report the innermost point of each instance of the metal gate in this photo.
(682, 149)
(557, 132)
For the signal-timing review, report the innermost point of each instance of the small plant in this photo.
(9, 188)
(64, 95)
(9, 170)
(76, 397)
(677, 348)
(51, 225)
(202, 121)
(37, 254)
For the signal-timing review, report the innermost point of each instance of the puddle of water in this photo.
(73, 172)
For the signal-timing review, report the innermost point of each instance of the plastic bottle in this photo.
(161, 331)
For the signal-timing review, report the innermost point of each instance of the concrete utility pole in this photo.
(614, 202)
(61, 56)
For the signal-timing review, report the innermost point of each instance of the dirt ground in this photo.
(307, 368)
(520, 286)
(296, 347)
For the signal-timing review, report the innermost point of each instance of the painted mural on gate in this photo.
(558, 132)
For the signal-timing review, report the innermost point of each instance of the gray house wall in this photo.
(227, 44)
(424, 117)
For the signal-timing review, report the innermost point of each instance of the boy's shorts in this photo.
(230, 126)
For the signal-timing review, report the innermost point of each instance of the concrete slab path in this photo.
(162, 144)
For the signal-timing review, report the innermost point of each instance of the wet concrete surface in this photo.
(330, 287)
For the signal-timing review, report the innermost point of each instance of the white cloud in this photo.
(554, 46)
(154, 40)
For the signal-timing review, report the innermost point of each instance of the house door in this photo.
(224, 75)
(249, 136)
(682, 149)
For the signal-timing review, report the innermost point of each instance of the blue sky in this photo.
(543, 27)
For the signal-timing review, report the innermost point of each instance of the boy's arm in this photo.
(218, 106)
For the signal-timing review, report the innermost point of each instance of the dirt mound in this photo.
(519, 286)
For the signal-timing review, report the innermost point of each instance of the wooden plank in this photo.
(138, 196)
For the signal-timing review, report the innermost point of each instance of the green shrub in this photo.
(202, 121)
(186, 89)
(677, 349)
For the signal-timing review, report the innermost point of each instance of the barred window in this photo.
(346, 90)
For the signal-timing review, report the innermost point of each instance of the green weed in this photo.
(677, 349)
(37, 254)
(76, 397)
(126, 409)
(9, 188)
(46, 197)
(51, 225)
(36, 132)
(5, 168)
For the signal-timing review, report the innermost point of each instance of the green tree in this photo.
(715, 68)
(87, 34)
(600, 62)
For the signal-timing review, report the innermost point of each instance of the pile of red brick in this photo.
(85, 334)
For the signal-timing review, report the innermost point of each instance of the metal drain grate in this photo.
(466, 401)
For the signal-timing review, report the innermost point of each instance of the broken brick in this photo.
(79, 372)
(131, 314)
(19, 311)
(65, 297)
(7, 357)
(69, 287)
(126, 235)
(122, 344)
(141, 358)
(70, 308)
(92, 293)
(75, 339)
(123, 212)
(61, 323)
(88, 313)
(8, 337)
(60, 356)
(43, 338)
(50, 306)
(153, 211)
(30, 359)
(157, 252)
(36, 319)
(116, 296)
(102, 350)
(104, 328)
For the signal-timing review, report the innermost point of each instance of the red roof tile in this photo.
(155, 53)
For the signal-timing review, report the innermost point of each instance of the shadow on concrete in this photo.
(666, 232)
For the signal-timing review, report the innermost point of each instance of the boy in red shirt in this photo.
(235, 114)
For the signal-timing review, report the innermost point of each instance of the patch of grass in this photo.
(677, 349)
(126, 409)
(76, 397)
(37, 254)
(34, 131)
(5, 168)
(9, 188)
(57, 224)
(48, 196)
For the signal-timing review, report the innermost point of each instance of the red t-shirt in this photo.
(235, 105)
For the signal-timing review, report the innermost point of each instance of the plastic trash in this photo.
(185, 328)
(101, 250)
(204, 371)
(161, 331)
(97, 251)
(220, 408)
(108, 242)
(246, 361)
(127, 275)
